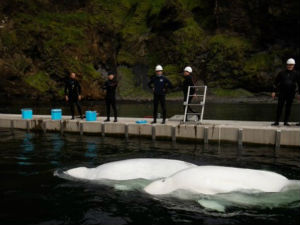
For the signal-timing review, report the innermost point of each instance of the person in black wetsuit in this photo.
(159, 84)
(298, 124)
(110, 98)
(285, 83)
(188, 81)
(73, 94)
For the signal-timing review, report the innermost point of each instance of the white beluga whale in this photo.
(216, 188)
(140, 168)
(210, 180)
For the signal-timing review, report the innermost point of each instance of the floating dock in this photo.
(239, 132)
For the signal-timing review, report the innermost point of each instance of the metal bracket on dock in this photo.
(103, 129)
(153, 132)
(205, 135)
(81, 128)
(126, 131)
(173, 133)
(27, 126)
(240, 137)
(61, 127)
(12, 126)
(44, 126)
(277, 139)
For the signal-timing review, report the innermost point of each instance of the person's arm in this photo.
(79, 90)
(66, 91)
(169, 84)
(66, 88)
(115, 84)
(276, 85)
(150, 83)
(298, 81)
(191, 82)
(104, 87)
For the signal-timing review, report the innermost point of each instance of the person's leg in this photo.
(288, 106)
(107, 103)
(281, 100)
(113, 104)
(155, 106)
(79, 108)
(71, 102)
(298, 124)
(190, 108)
(163, 107)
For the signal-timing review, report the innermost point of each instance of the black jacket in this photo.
(72, 88)
(286, 82)
(110, 86)
(160, 84)
(188, 81)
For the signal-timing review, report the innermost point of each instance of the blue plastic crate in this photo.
(56, 114)
(26, 114)
(141, 121)
(91, 115)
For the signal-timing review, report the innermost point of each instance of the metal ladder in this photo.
(201, 103)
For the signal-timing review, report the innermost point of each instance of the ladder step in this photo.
(193, 113)
(196, 104)
(197, 95)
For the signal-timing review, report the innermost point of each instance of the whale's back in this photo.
(131, 169)
(217, 179)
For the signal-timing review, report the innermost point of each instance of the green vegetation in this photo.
(231, 92)
(39, 81)
(127, 87)
(230, 50)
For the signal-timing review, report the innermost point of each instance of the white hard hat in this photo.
(158, 68)
(291, 61)
(188, 69)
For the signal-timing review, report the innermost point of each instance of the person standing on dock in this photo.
(285, 84)
(110, 98)
(298, 124)
(159, 84)
(73, 94)
(188, 82)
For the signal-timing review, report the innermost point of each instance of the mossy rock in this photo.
(259, 62)
(127, 88)
(39, 81)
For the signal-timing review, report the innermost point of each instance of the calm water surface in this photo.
(30, 194)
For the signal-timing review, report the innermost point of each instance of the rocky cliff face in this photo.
(229, 44)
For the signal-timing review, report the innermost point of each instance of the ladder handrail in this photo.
(202, 103)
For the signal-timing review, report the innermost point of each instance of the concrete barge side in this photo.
(239, 132)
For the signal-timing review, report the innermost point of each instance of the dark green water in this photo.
(30, 194)
(218, 111)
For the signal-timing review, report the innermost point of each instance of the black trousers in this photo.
(73, 102)
(287, 100)
(162, 100)
(111, 102)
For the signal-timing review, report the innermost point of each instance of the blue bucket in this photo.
(141, 121)
(56, 114)
(91, 115)
(26, 114)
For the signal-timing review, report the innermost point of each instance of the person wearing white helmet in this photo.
(159, 84)
(285, 84)
(188, 81)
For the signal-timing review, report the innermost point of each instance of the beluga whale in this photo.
(216, 188)
(210, 180)
(139, 168)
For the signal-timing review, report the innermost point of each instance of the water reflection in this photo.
(33, 188)
(28, 147)
(91, 150)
